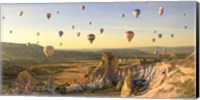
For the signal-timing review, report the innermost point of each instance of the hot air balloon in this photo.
(48, 15)
(129, 35)
(153, 40)
(38, 33)
(155, 31)
(82, 7)
(123, 15)
(172, 35)
(73, 27)
(60, 44)
(78, 34)
(37, 42)
(20, 13)
(101, 30)
(90, 23)
(161, 11)
(184, 14)
(3, 17)
(57, 12)
(160, 35)
(48, 51)
(91, 38)
(185, 26)
(136, 12)
(11, 31)
(60, 33)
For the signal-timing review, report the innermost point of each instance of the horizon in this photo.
(107, 48)
(171, 22)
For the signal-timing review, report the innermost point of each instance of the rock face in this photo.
(50, 85)
(24, 83)
(167, 80)
(127, 87)
(105, 73)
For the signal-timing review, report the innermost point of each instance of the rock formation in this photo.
(106, 73)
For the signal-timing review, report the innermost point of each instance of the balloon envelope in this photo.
(90, 23)
(161, 11)
(160, 35)
(129, 35)
(136, 12)
(101, 30)
(91, 38)
(48, 15)
(172, 35)
(123, 15)
(38, 33)
(48, 51)
(60, 44)
(73, 27)
(153, 40)
(57, 12)
(185, 26)
(20, 13)
(82, 7)
(78, 34)
(10, 31)
(60, 33)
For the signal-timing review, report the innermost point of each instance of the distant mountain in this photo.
(177, 50)
(21, 54)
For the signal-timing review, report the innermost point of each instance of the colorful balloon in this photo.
(48, 51)
(136, 13)
(172, 35)
(185, 26)
(38, 34)
(11, 31)
(3, 17)
(123, 15)
(101, 30)
(73, 27)
(155, 31)
(58, 12)
(91, 38)
(160, 35)
(60, 44)
(82, 7)
(90, 23)
(20, 13)
(48, 15)
(129, 35)
(161, 11)
(153, 40)
(60, 33)
(78, 34)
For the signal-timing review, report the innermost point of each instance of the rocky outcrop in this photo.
(106, 73)
(24, 83)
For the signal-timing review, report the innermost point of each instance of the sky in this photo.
(102, 15)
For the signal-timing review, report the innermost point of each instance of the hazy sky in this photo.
(102, 15)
